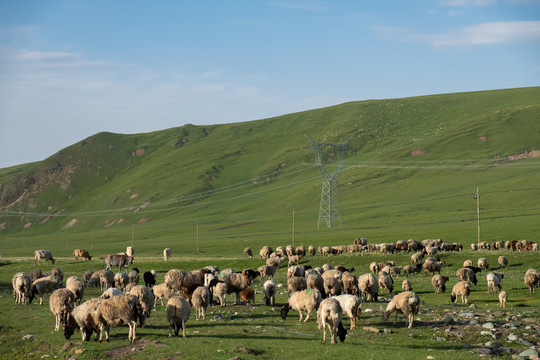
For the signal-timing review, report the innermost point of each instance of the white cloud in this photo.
(467, 3)
(311, 5)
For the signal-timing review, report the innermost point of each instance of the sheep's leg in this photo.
(411, 319)
(300, 312)
(40, 299)
(324, 331)
(57, 322)
(353, 322)
(183, 328)
(333, 331)
(133, 329)
(307, 316)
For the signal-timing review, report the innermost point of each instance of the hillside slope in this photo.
(410, 166)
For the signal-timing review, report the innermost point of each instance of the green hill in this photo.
(242, 182)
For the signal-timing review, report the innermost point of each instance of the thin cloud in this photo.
(467, 3)
(311, 5)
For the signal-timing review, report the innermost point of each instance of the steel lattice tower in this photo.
(330, 207)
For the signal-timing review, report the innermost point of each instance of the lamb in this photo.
(200, 301)
(110, 292)
(329, 314)
(61, 303)
(43, 254)
(502, 299)
(503, 261)
(406, 303)
(117, 310)
(248, 252)
(178, 310)
(247, 296)
(77, 288)
(406, 285)
(351, 306)
(417, 258)
(166, 254)
(462, 288)
(161, 292)
(42, 286)
(266, 271)
(21, 286)
(494, 280)
(439, 283)
(269, 291)
(146, 299)
(374, 267)
(307, 300)
(296, 283)
(220, 291)
(386, 282)
(369, 286)
(468, 263)
(483, 263)
(133, 276)
(121, 279)
(149, 278)
(83, 317)
(531, 279)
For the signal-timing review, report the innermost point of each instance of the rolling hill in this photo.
(411, 170)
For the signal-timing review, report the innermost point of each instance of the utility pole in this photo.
(197, 233)
(91, 238)
(293, 228)
(132, 234)
(477, 197)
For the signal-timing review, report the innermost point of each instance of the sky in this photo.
(72, 68)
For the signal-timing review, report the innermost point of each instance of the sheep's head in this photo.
(384, 316)
(69, 327)
(342, 332)
(453, 298)
(285, 310)
(32, 294)
(52, 260)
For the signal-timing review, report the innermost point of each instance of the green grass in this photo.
(259, 332)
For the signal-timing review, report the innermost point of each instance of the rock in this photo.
(372, 329)
(488, 325)
(473, 322)
(525, 342)
(528, 353)
(430, 357)
(484, 350)
(512, 337)
(516, 357)
(448, 320)
(387, 331)
(467, 314)
(498, 313)
(66, 346)
(466, 346)
(529, 320)
(486, 333)
(218, 317)
(472, 306)
(79, 351)
(368, 310)
(493, 344)
(28, 337)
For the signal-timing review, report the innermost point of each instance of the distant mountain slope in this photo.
(255, 169)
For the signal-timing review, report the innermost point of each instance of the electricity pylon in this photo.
(330, 207)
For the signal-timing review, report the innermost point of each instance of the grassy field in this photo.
(250, 332)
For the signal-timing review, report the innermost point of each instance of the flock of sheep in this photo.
(331, 292)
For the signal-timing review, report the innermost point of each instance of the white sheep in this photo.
(178, 310)
(166, 254)
(386, 282)
(133, 276)
(61, 303)
(43, 254)
(483, 263)
(315, 281)
(531, 279)
(121, 279)
(494, 281)
(220, 291)
(439, 282)
(200, 301)
(83, 318)
(162, 292)
(296, 283)
(462, 288)
(369, 286)
(110, 292)
(77, 288)
(42, 286)
(146, 299)
(118, 310)
(329, 314)
(503, 261)
(266, 271)
(269, 291)
(350, 283)
(406, 303)
(351, 306)
(406, 285)
(307, 300)
(21, 286)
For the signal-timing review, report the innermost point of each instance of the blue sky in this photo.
(70, 69)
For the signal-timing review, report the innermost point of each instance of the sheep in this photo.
(307, 300)
(247, 296)
(103, 278)
(408, 269)
(386, 282)
(295, 284)
(110, 292)
(265, 252)
(42, 286)
(295, 271)
(237, 282)
(77, 253)
(130, 251)
(312, 250)
(462, 288)
(77, 288)
(115, 311)
(474, 247)
(439, 283)
(161, 292)
(248, 252)
(406, 285)
(332, 282)
(502, 299)
(329, 314)
(133, 276)
(61, 303)
(374, 267)
(406, 303)
(301, 251)
(121, 279)
(466, 274)
(36, 274)
(43, 254)
(494, 280)
(315, 281)
(220, 291)
(483, 263)
(531, 279)
(178, 310)
(267, 271)
(21, 286)
(149, 278)
(56, 272)
(146, 299)
(86, 276)
(294, 259)
(351, 306)
(200, 301)
(417, 258)
(269, 291)
(433, 266)
(350, 283)
(166, 254)
(503, 261)
(83, 318)
(369, 286)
